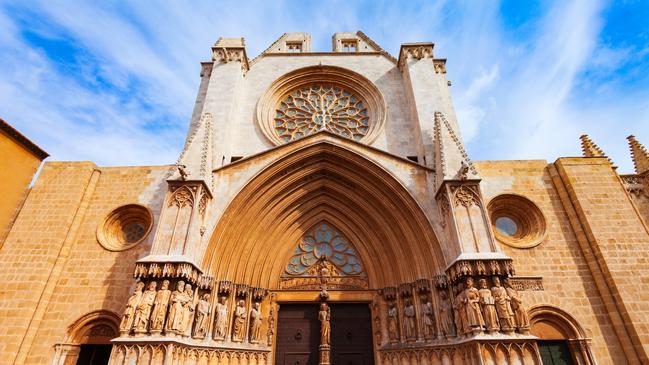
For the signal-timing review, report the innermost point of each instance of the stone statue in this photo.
(271, 327)
(221, 320)
(175, 317)
(131, 305)
(520, 314)
(143, 311)
(188, 311)
(324, 316)
(393, 326)
(458, 309)
(160, 304)
(472, 307)
(409, 314)
(503, 307)
(488, 304)
(239, 328)
(446, 315)
(255, 323)
(429, 318)
(201, 319)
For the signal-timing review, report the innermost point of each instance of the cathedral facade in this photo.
(324, 210)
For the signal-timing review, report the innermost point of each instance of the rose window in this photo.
(321, 107)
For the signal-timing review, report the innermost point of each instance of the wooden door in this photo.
(298, 334)
(351, 334)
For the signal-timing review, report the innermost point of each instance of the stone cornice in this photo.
(22, 140)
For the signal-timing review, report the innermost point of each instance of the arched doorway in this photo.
(562, 341)
(88, 341)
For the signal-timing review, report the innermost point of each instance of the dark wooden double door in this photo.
(298, 335)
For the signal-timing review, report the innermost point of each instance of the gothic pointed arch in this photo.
(321, 179)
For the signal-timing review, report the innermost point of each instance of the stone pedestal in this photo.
(325, 351)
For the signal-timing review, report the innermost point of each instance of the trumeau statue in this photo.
(446, 315)
(503, 307)
(324, 316)
(160, 305)
(409, 314)
(175, 317)
(131, 306)
(188, 311)
(472, 306)
(143, 311)
(201, 319)
(239, 327)
(393, 326)
(488, 304)
(520, 314)
(221, 319)
(429, 318)
(255, 323)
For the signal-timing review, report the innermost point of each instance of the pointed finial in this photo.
(589, 147)
(639, 154)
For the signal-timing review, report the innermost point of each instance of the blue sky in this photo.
(115, 82)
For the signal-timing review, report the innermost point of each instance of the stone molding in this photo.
(415, 51)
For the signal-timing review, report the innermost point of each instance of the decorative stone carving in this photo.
(201, 318)
(176, 303)
(464, 268)
(159, 311)
(271, 327)
(393, 324)
(131, 306)
(429, 318)
(488, 304)
(239, 327)
(221, 319)
(183, 270)
(409, 315)
(182, 196)
(324, 316)
(530, 283)
(520, 314)
(472, 306)
(458, 309)
(188, 311)
(503, 306)
(255, 323)
(446, 315)
(143, 311)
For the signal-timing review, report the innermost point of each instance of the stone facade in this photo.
(323, 178)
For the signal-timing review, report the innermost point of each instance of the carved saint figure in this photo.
(393, 326)
(429, 318)
(255, 323)
(221, 320)
(188, 311)
(520, 314)
(176, 302)
(201, 318)
(160, 304)
(143, 311)
(503, 307)
(239, 327)
(458, 309)
(472, 306)
(131, 305)
(446, 315)
(409, 314)
(488, 304)
(324, 316)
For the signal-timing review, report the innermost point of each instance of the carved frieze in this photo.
(187, 271)
(464, 268)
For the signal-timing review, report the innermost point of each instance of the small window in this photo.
(413, 158)
(235, 158)
(506, 226)
(555, 353)
(350, 46)
(294, 47)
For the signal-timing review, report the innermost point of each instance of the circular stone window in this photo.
(125, 227)
(517, 221)
(321, 98)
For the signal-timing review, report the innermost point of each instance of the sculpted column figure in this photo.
(255, 323)
(472, 306)
(393, 325)
(429, 319)
(503, 308)
(409, 314)
(488, 305)
(458, 309)
(188, 311)
(159, 312)
(175, 317)
(446, 315)
(271, 327)
(202, 315)
(520, 314)
(239, 322)
(221, 320)
(143, 311)
(324, 316)
(131, 305)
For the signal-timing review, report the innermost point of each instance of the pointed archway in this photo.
(316, 182)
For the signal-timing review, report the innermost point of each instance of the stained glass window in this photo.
(321, 107)
(324, 242)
